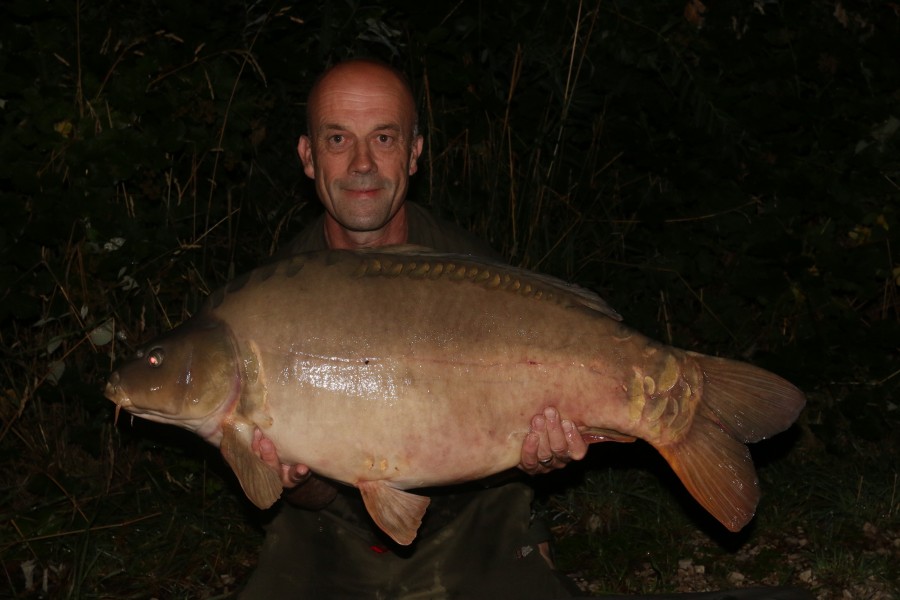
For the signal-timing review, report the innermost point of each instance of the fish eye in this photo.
(155, 357)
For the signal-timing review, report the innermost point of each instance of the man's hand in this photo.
(551, 444)
(302, 488)
(291, 475)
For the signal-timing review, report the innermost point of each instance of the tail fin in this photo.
(750, 403)
(740, 403)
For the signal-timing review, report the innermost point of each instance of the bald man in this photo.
(478, 540)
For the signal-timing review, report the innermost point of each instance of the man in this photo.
(476, 542)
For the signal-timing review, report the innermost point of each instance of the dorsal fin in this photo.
(421, 262)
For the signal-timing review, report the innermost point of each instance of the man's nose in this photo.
(362, 161)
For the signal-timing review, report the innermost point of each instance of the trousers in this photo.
(473, 545)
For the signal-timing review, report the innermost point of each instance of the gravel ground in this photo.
(795, 555)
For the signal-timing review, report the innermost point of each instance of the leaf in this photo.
(54, 343)
(57, 368)
(103, 333)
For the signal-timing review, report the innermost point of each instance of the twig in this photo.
(68, 496)
(248, 58)
(893, 495)
(51, 536)
(690, 289)
(506, 134)
(429, 147)
(79, 88)
(664, 306)
(571, 79)
(871, 383)
(685, 219)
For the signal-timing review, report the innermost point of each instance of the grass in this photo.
(826, 523)
(135, 520)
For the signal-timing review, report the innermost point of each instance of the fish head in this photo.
(189, 377)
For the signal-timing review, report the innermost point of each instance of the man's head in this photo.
(361, 148)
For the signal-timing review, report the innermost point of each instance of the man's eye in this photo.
(336, 139)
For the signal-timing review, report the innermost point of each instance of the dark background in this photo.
(725, 175)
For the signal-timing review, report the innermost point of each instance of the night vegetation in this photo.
(728, 177)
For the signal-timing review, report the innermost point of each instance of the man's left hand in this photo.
(551, 444)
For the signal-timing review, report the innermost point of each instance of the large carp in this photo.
(402, 369)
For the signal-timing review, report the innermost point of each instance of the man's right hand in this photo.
(302, 488)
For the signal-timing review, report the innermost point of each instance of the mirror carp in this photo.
(398, 369)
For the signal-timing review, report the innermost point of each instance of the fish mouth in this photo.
(119, 396)
(203, 424)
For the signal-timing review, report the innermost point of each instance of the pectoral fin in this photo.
(261, 484)
(396, 512)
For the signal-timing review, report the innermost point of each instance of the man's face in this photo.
(361, 149)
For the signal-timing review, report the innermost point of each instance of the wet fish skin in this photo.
(392, 370)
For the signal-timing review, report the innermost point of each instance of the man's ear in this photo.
(414, 154)
(304, 150)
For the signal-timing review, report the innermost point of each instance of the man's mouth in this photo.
(362, 192)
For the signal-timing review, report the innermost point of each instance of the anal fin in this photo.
(594, 435)
(718, 472)
(261, 484)
(396, 512)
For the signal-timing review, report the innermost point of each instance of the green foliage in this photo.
(731, 188)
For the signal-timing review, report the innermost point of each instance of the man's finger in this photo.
(556, 437)
(294, 475)
(529, 452)
(577, 447)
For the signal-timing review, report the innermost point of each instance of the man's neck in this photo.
(395, 231)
